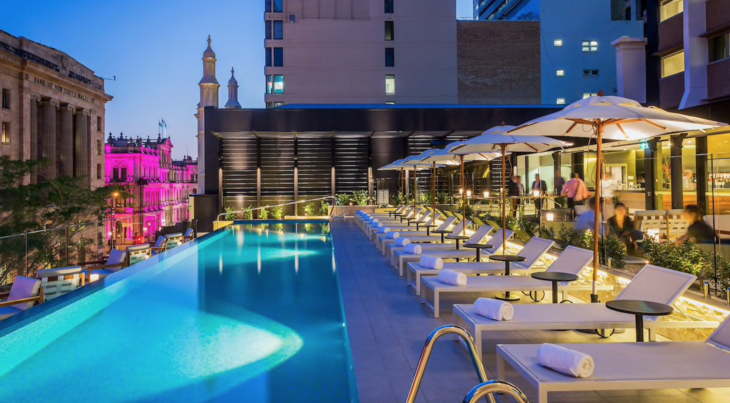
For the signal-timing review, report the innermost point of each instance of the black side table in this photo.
(478, 247)
(639, 309)
(428, 228)
(555, 277)
(443, 232)
(459, 238)
(507, 259)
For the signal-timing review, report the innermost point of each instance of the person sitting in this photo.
(586, 221)
(622, 227)
(697, 231)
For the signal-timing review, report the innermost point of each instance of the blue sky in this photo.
(154, 48)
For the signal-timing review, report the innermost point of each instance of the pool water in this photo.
(252, 314)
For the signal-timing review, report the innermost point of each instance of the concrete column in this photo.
(650, 173)
(676, 170)
(82, 144)
(696, 53)
(631, 68)
(702, 176)
(34, 99)
(65, 141)
(48, 138)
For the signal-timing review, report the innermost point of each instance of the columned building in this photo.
(159, 185)
(52, 108)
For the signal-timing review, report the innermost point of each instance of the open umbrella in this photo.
(495, 139)
(614, 118)
(415, 161)
(396, 166)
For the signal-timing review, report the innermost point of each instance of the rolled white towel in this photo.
(451, 277)
(413, 249)
(373, 220)
(383, 230)
(377, 224)
(566, 361)
(431, 262)
(400, 242)
(494, 309)
(393, 235)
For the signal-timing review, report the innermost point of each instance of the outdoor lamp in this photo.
(486, 194)
(653, 233)
(461, 191)
(550, 217)
(468, 193)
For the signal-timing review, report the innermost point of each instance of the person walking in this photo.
(575, 190)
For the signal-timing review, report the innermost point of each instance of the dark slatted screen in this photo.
(277, 167)
(351, 164)
(239, 167)
(315, 166)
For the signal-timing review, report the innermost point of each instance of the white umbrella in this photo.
(415, 161)
(495, 139)
(396, 166)
(613, 118)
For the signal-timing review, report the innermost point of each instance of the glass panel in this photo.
(390, 84)
(268, 57)
(389, 6)
(664, 177)
(689, 171)
(389, 30)
(719, 47)
(278, 29)
(389, 57)
(278, 57)
(267, 34)
(269, 84)
(278, 6)
(278, 84)
(671, 8)
(673, 64)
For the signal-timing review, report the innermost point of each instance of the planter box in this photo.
(350, 211)
(221, 224)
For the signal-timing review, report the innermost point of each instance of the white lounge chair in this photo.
(24, 293)
(447, 251)
(629, 366)
(189, 235)
(138, 253)
(423, 218)
(653, 283)
(408, 213)
(398, 255)
(174, 240)
(59, 281)
(415, 236)
(533, 251)
(117, 261)
(160, 245)
(572, 260)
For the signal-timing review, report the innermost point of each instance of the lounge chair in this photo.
(653, 283)
(402, 258)
(160, 245)
(138, 253)
(189, 235)
(174, 240)
(533, 252)
(422, 219)
(416, 236)
(458, 230)
(23, 294)
(572, 260)
(59, 281)
(629, 366)
(116, 261)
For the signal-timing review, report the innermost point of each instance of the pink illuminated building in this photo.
(160, 186)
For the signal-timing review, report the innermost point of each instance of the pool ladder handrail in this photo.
(426, 356)
(487, 389)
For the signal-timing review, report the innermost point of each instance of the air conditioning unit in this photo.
(292, 18)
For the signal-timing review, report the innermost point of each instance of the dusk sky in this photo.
(154, 48)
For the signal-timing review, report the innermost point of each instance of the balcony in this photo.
(718, 73)
(671, 34)
(717, 15)
(671, 90)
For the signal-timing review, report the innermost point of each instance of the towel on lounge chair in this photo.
(451, 277)
(431, 262)
(383, 230)
(377, 224)
(494, 309)
(401, 242)
(413, 249)
(394, 235)
(566, 361)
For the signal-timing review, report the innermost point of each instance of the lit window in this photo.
(720, 47)
(590, 73)
(390, 102)
(269, 84)
(670, 8)
(589, 94)
(278, 104)
(590, 46)
(278, 84)
(390, 84)
(560, 101)
(558, 42)
(673, 64)
(389, 30)
(5, 133)
(560, 73)
(98, 147)
(389, 57)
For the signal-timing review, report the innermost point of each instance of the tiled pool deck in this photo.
(388, 326)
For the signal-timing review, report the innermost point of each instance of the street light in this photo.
(114, 224)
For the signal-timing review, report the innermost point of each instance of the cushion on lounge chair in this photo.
(721, 337)
(189, 233)
(479, 235)
(657, 284)
(533, 251)
(7, 312)
(24, 287)
(116, 256)
(446, 224)
(161, 240)
(572, 260)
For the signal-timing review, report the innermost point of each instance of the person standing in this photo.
(575, 190)
(540, 186)
(513, 192)
(559, 183)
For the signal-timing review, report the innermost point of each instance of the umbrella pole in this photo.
(504, 199)
(433, 218)
(415, 189)
(463, 194)
(597, 222)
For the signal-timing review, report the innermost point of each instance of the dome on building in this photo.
(209, 54)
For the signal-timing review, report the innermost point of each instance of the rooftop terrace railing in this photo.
(331, 214)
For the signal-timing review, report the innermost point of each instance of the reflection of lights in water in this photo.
(267, 233)
(220, 264)
(259, 259)
(240, 239)
(334, 264)
(324, 239)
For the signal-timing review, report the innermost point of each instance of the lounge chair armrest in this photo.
(4, 293)
(162, 248)
(4, 304)
(91, 262)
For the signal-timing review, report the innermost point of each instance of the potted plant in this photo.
(278, 212)
(308, 209)
(324, 209)
(264, 214)
(228, 218)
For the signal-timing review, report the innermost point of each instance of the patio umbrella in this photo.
(496, 139)
(416, 162)
(614, 118)
(396, 166)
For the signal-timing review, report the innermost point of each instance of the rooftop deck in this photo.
(388, 326)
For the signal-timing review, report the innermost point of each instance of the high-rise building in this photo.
(513, 10)
(52, 108)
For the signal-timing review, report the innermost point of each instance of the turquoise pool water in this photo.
(252, 314)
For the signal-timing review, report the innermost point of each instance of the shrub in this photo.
(249, 213)
(278, 212)
(230, 214)
(263, 214)
(309, 208)
(687, 258)
(324, 209)
(343, 199)
(360, 197)
(609, 247)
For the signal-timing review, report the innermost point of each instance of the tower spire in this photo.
(209, 84)
(233, 92)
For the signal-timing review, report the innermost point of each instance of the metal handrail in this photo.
(488, 389)
(426, 356)
(217, 219)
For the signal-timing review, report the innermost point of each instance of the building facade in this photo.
(159, 186)
(53, 108)
(509, 10)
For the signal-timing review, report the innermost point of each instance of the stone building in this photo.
(52, 108)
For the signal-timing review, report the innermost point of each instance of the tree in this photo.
(59, 206)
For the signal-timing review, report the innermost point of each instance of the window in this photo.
(5, 133)
(389, 6)
(124, 174)
(389, 57)
(670, 8)
(560, 101)
(98, 147)
(390, 102)
(278, 104)
(590, 72)
(98, 124)
(268, 57)
(278, 57)
(673, 64)
(389, 30)
(590, 46)
(558, 42)
(276, 6)
(390, 84)
(115, 174)
(278, 84)
(560, 73)
(278, 29)
(268, 29)
(6, 98)
(589, 94)
(98, 171)
(720, 47)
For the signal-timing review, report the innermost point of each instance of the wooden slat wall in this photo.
(351, 164)
(315, 167)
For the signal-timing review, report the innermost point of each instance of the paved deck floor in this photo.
(388, 325)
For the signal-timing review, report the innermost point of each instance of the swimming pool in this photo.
(250, 314)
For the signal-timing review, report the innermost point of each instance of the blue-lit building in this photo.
(577, 59)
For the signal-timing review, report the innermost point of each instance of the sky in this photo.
(154, 49)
